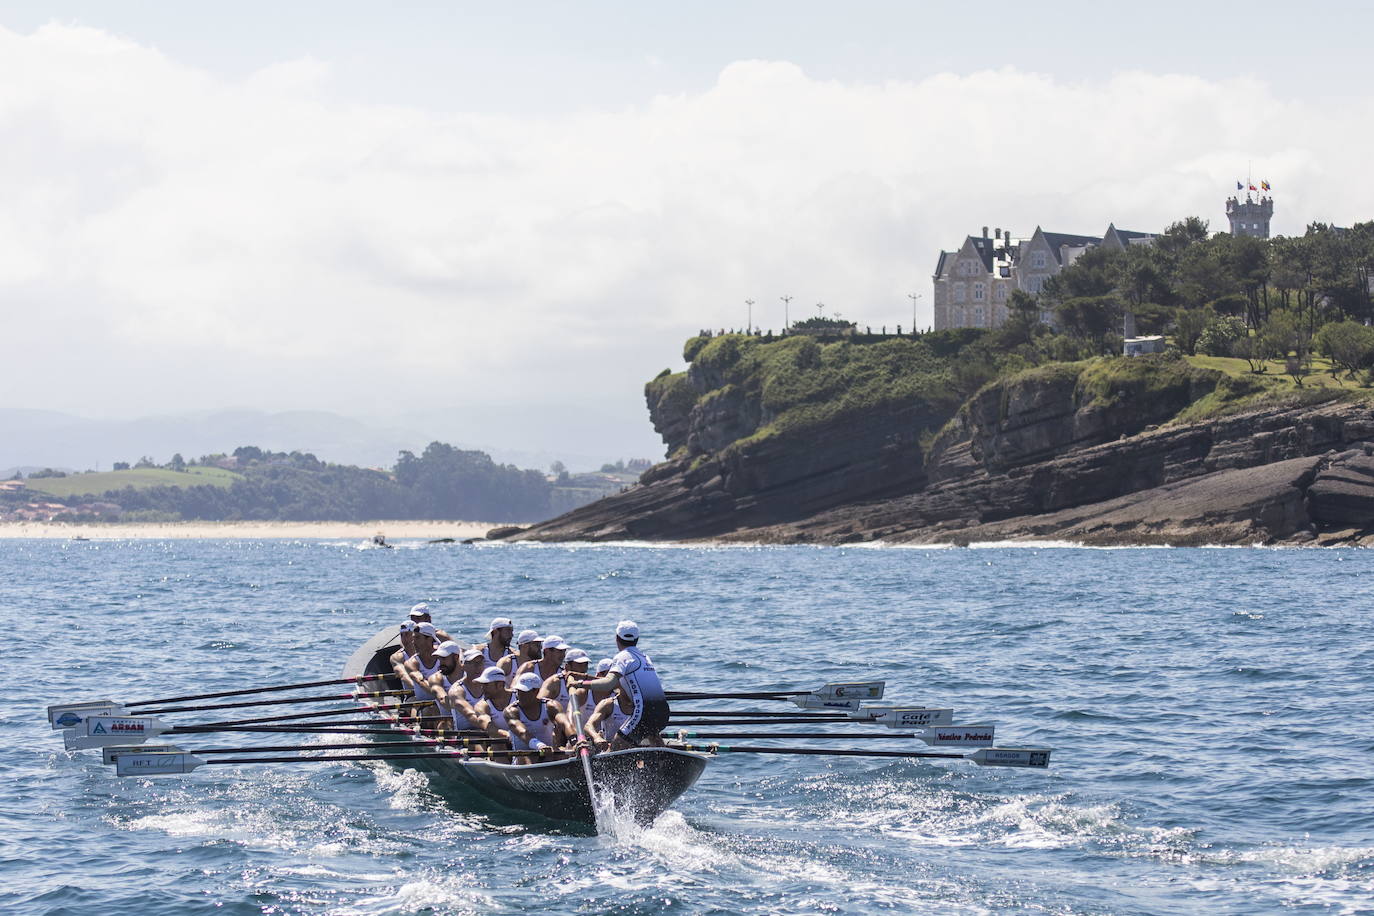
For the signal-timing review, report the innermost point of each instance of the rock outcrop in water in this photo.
(1105, 452)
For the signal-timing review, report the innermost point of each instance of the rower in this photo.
(606, 720)
(462, 698)
(633, 672)
(497, 646)
(491, 709)
(590, 699)
(403, 654)
(550, 661)
(529, 647)
(423, 665)
(449, 654)
(555, 688)
(420, 614)
(534, 722)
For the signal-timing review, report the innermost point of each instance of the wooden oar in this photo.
(940, 736)
(986, 756)
(752, 714)
(584, 754)
(169, 763)
(794, 720)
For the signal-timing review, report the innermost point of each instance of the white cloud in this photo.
(274, 245)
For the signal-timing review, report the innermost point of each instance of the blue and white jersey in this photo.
(637, 675)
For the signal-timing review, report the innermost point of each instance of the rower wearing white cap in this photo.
(403, 654)
(534, 722)
(633, 672)
(529, 647)
(420, 614)
(491, 710)
(497, 646)
(465, 693)
(590, 699)
(553, 649)
(449, 654)
(423, 665)
(555, 687)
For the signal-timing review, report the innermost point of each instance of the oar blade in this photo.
(811, 701)
(156, 764)
(1038, 757)
(957, 736)
(99, 731)
(906, 716)
(852, 690)
(69, 715)
(112, 752)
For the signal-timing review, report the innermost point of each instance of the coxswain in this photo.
(553, 650)
(497, 646)
(633, 673)
(535, 725)
(491, 709)
(420, 614)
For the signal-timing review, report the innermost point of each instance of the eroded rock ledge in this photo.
(1038, 457)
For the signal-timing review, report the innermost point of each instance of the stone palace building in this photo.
(973, 285)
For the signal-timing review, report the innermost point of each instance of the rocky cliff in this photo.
(1111, 451)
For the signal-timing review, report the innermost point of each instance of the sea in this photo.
(1208, 711)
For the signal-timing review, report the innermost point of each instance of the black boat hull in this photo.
(641, 782)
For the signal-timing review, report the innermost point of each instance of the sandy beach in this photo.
(393, 530)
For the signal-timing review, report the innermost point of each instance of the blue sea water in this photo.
(1208, 710)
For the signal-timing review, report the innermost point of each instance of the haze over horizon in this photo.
(518, 222)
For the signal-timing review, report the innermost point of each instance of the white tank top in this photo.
(460, 721)
(420, 692)
(486, 654)
(612, 723)
(541, 726)
(498, 716)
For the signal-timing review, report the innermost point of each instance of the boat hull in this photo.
(641, 782)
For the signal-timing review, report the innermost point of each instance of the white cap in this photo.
(420, 610)
(526, 636)
(491, 675)
(499, 622)
(627, 629)
(408, 626)
(448, 647)
(529, 681)
(427, 629)
(576, 655)
(471, 655)
(604, 665)
(554, 642)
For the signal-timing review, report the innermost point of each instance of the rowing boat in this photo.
(641, 782)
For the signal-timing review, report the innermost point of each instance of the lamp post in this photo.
(750, 303)
(913, 297)
(786, 301)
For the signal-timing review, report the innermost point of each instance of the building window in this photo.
(1000, 293)
(1038, 260)
(979, 292)
(978, 316)
(1033, 284)
(959, 292)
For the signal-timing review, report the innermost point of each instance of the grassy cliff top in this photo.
(139, 478)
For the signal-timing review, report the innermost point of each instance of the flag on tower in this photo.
(1239, 186)
(1264, 185)
(1253, 188)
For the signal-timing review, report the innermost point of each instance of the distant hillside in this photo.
(133, 478)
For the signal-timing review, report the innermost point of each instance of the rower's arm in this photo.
(592, 726)
(601, 683)
(517, 726)
(460, 705)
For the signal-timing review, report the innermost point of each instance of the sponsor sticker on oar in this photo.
(154, 764)
(98, 731)
(957, 736)
(852, 690)
(811, 701)
(112, 752)
(1012, 757)
(69, 715)
(906, 716)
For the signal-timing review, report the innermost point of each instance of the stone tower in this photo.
(1250, 216)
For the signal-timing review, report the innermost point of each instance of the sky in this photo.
(499, 222)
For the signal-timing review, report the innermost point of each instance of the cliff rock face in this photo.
(1091, 452)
